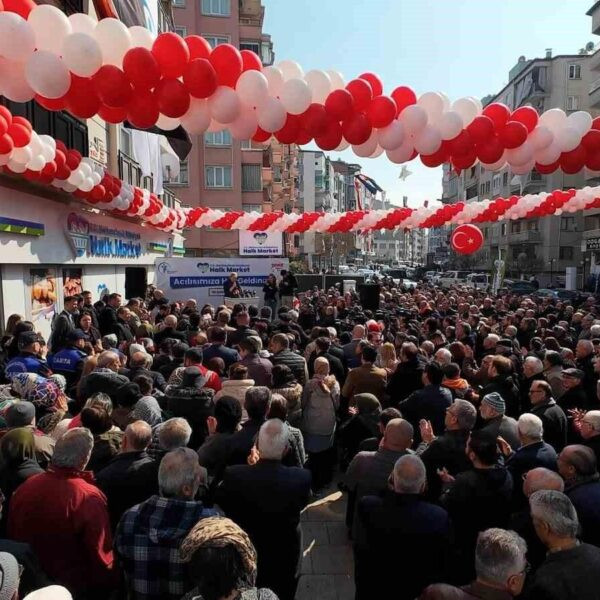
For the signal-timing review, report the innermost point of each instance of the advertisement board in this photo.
(261, 243)
(203, 278)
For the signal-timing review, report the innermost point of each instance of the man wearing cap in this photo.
(29, 359)
(69, 360)
(63, 324)
(575, 395)
(492, 409)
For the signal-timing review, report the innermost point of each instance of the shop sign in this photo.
(592, 243)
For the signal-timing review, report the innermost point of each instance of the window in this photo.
(496, 184)
(485, 233)
(572, 102)
(516, 250)
(178, 3)
(567, 223)
(575, 71)
(591, 222)
(125, 142)
(565, 253)
(296, 241)
(252, 208)
(216, 8)
(471, 192)
(505, 178)
(253, 46)
(532, 225)
(181, 31)
(217, 138)
(487, 187)
(218, 177)
(515, 226)
(482, 189)
(182, 178)
(246, 145)
(251, 178)
(216, 40)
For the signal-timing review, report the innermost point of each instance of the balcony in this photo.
(267, 175)
(252, 12)
(130, 171)
(524, 237)
(595, 94)
(594, 60)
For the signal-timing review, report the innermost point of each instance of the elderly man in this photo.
(500, 567)
(408, 376)
(502, 381)
(169, 331)
(553, 417)
(577, 466)
(140, 364)
(533, 370)
(584, 360)
(575, 395)
(131, 477)
(588, 425)
(553, 364)
(492, 409)
(282, 355)
(242, 330)
(172, 434)
(148, 536)
(570, 571)
(64, 517)
(390, 524)
(249, 492)
(104, 378)
(351, 358)
(443, 357)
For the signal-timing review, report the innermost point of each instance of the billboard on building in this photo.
(261, 243)
(203, 278)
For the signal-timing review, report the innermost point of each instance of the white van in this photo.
(479, 281)
(451, 278)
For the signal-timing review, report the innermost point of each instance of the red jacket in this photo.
(64, 517)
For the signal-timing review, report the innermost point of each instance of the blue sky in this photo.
(460, 47)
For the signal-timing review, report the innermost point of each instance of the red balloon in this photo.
(6, 114)
(142, 111)
(73, 159)
(382, 111)
(82, 98)
(303, 137)
(141, 68)
(98, 192)
(261, 135)
(200, 78)
(49, 169)
(21, 7)
(356, 129)
(361, 92)
(227, 62)
(314, 120)
(60, 158)
(592, 162)
(6, 144)
(498, 113)
(172, 98)
(113, 115)
(464, 161)
(3, 125)
(374, 82)
(436, 159)
(112, 86)
(20, 134)
(340, 105)
(52, 103)
(591, 140)
(288, 133)
(171, 53)
(513, 134)
(332, 137)
(462, 144)
(250, 61)
(572, 162)
(526, 115)
(490, 151)
(481, 129)
(198, 47)
(596, 123)
(403, 96)
(22, 121)
(466, 239)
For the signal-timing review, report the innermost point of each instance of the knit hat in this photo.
(9, 576)
(367, 403)
(51, 592)
(496, 401)
(20, 414)
(109, 341)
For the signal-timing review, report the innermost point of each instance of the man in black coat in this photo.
(553, 416)
(265, 499)
(63, 324)
(407, 378)
(336, 368)
(584, 361)
(575, 395)
(242, 330)
(282, 355)
(169, 331)
(502, 381)
(217, 336)
(403, 538)
(132, 476)
(107, 319)
(139, 365)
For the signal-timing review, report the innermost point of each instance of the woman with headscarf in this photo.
(285, 384)
(222, 562)
(45, 394)
(320, 402)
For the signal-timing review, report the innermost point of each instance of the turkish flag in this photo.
(466, 239)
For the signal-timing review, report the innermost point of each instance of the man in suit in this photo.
(393, 523)
(107, 319)
(63, 324)
(265, 499)
(366, 378)
(217, 336)
(351, 358)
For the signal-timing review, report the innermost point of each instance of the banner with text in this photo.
(261, 243)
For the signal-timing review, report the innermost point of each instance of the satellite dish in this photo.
(589, 46)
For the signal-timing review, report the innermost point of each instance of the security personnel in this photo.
(29, 359)
(69, 360)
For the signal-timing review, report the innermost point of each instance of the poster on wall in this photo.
(42, 283)
(72, 282)
(261, 243)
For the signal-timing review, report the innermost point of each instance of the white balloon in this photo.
(87, 185)
(82, 54)
(50, 25)
(244, 127)
(114, 39)
(548, 155)
(290, 69)
(275, 80)
(467, 108)
(271, 115)
(554, 119)
(48, 141)
(401, 154)
(343, 145)
(13, 84)
(337, 80)
(367, 148)
(541, 137)
(433, 104)
(140, 36)
(21, 155)
(450, 125)
(17, 167)
(378, 152)
(295, 96)
(523, 169)
(17, 38)
(197, 119)
(499, 164)
(37, 163)
(581, 121)
(82, 23)
(252, 88)
(224, 104)
(413, 118)
(428, 140)
(47, 74)
(567, 138)
(392, 136)
(96, 178)
(76, 178)
(521, 155)
(320, 85)
(167, 123)
(35, 144)
(48, 152)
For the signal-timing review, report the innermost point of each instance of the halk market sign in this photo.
(90, 239)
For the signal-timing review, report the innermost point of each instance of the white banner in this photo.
(261, 243)
(203, 278)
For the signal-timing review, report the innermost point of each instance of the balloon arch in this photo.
(104, 68)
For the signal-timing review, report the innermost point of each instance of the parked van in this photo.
(479, 281)
(451, 278)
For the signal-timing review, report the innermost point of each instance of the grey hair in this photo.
(179, 468)
(409, 475)
(446, 356)
(73, 449)
(498, 555)
(174, 433)
(593, 416)
(595, 331)
(536, 363)
(139, 435)
(490, 340)
(465, 413)
(556, 510)
(100, 399)
(531, 426)
(106, 358)
(273, 439)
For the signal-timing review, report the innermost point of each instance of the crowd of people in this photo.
(154, 449)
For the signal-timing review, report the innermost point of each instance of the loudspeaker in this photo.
(369, 295)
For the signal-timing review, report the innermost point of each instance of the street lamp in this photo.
(552, 261)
